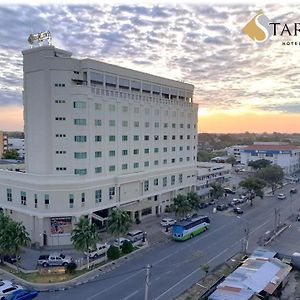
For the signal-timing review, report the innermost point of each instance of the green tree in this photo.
(272, 175)
(84, 237)
(118, 222)
(181, 206)
(13, 236)
(217, 190)
(193, 200)
(259, 164)
(231, 160)
(11, 154)
(254, 187)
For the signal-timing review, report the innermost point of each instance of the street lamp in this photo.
(246, 231)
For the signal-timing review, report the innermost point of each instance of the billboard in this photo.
(61, 225)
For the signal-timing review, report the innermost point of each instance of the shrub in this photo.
(127, 247)
(113, 252)
(71, 267)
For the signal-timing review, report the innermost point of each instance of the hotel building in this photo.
(97, 136)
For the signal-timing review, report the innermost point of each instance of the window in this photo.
(136, 124)
(173, 137)
(124, 166)
(98, 123)
(60, 135)
(23, 198)
(173, 179)
(187, 159)
(98, 196)
(147, 124)
(80, 138)
(165, 161)
(80, 155)
(60, 119)
(173, 125)
(79, 104)
(181, 137)
(135, 151)
(156, 125)
(136, 137)
(46, 200)
(165, 149)
(165, 125)
(98, 138)
(155, 150)
(59, 85)
(82, 198)
(188, 137)
(180, 159)
(187, 147)
(111, 192)
(112, 138)
(156, 163)
(146, 151)
(165, 137)
(81, 122)
(98, 106)
(71, 200)
(188, 125)
(112, 153)
(181, 125)
(173, 149)
(146, 164)
(9, 195)
(180, 148)
(98, 154)
(124, 108)
(112, 123)
(125, 123)
(180, 178)
(136, 165)
(136, 110)
(124, 152)
(173, 160)
(147, 111)
(124, 138)
(60, 101)
(35, 201)
(146, 137)
(165, 181)
(155, 181)
(80, 172)
(61, 168)
(112, 107)
(146, 185)
(61, 152)
(112, 168)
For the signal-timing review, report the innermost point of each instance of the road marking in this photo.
(132, 294)
(114, 285)
(189, 275)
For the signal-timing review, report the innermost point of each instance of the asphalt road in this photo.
(176, 265)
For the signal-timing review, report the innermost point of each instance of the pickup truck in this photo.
(54, 259)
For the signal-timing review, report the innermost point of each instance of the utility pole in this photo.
(147, 282)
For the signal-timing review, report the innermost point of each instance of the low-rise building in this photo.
(235, 151)
(286, 156)
(16, 144)
(209, 173)
(3, 143)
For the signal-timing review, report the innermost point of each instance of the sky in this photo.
(239, 85)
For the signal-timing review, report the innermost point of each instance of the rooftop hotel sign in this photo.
(260, 29)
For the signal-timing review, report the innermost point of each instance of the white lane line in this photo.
(189, 275)
(114, 285)
(132, 294)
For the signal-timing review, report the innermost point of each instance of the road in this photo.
(176, 265)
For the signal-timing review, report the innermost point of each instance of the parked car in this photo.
(135, 235)
(238, 210)
(100, 250)
(120, 241)
(293, 191)
(235, 201)
(12, 259)
(221, 207)
(212, 202)
(54, 259)
(167, 222)
(202, 205)
(7, 288)
(22, 295)
(229, 191)
(281, 196)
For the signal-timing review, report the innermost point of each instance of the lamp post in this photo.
(247, 232)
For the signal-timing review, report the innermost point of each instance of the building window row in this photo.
(164, 181)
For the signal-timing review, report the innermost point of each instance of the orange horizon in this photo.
(11, 119)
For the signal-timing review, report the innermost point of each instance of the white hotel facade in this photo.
(98, 136)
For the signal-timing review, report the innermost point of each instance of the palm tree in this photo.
(181, 206)
(84, 236)
(193, 199)
(13, 236)
(118, 222)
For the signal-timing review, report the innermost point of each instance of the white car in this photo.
(167, 222)
(281, 196)
(100, 250)
(120, 241)
(7, 288)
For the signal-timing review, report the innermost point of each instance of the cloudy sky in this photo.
(239, 85)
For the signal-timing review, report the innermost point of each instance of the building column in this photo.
(40, 222)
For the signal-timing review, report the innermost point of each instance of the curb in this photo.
(276, 234)
(65, 285)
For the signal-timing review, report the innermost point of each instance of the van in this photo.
(135, 235)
